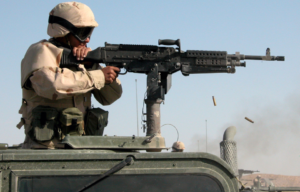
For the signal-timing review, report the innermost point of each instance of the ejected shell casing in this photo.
(249, 120)
(214, 100)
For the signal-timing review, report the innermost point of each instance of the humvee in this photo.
(115, 164)
(111, 163)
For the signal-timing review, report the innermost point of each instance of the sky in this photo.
(266, 92)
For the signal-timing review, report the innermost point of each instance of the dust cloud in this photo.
(271, 144)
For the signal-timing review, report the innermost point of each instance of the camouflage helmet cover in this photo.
(178, 146)
(79, 14)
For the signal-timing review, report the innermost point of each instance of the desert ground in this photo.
(278, 180)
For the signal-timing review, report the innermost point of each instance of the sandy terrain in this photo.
(278, 180)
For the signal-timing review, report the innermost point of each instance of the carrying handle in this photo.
(170, 42)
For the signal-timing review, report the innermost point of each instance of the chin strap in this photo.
(68, 42)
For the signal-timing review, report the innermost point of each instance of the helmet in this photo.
(71, 17)
(178, 146)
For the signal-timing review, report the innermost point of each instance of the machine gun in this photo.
(243, 171)
(159, 63)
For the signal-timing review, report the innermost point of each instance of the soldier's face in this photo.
(76, 43)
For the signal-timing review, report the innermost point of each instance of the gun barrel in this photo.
(266, 58)
(247, 171)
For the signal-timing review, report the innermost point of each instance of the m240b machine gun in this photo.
(159, 63)
(243, 171)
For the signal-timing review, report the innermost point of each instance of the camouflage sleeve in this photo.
(58, 83)
(109, 93)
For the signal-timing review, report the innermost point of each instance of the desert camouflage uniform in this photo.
(45, 83)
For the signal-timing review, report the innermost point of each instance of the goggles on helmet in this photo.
(80, 33)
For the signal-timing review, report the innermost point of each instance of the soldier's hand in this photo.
(81, 52)
(110, 73)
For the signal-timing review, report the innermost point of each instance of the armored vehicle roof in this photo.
(72, 169)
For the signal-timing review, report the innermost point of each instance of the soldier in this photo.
(256, 183)
(178, 147)
(57, 99)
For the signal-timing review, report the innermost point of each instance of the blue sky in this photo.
(266, 92)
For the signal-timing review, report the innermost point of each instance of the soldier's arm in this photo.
(109, 93)
(112, 89)
(59, 83)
